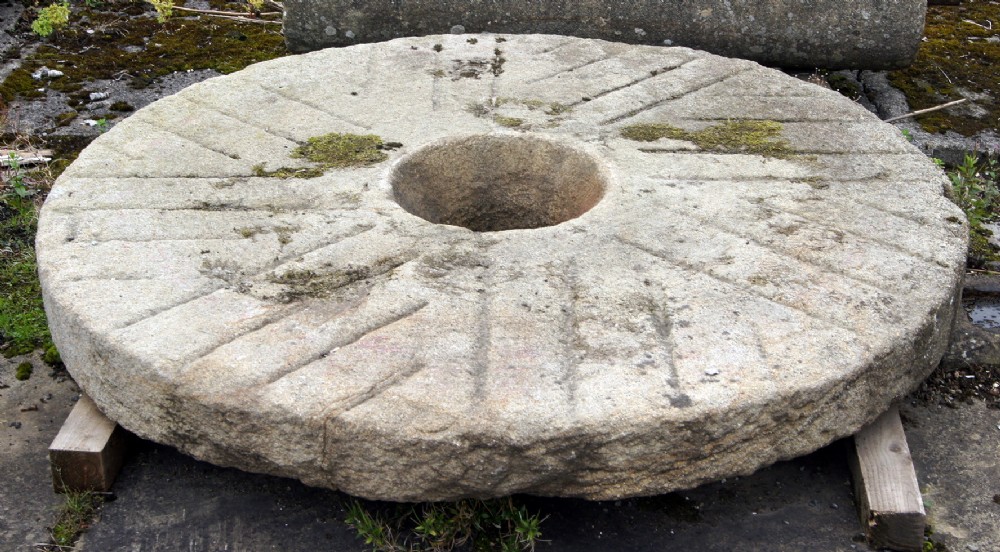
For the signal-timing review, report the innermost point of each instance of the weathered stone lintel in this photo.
(871, 34)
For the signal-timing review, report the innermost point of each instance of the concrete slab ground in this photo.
(31, 413)
(167, 501)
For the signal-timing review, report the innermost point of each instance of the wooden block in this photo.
(885, 484)
(88, 451)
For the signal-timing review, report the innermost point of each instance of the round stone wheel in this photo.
(527, 264)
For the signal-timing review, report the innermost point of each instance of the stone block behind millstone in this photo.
(866, 34)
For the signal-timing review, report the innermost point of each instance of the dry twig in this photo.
(928, 110)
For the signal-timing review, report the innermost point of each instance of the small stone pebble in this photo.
(46, 73)
(458, 29)
(96, 96)
(712, 372)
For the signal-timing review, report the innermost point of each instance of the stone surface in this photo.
(713, 312)
(832, 34)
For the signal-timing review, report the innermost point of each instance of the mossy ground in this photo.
(753, 137)
(959, 58)
(128, 42)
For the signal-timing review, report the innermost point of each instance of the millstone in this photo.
(574, 268)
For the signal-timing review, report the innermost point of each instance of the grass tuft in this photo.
(478, 525)
(75, 516)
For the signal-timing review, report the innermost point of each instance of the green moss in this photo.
(248, 231)
(63, 119)
(51, 355)
(844, 85)
(342, 150)
(19, 84)
(981, 252)
(509, 122)
(23, 371)
(496, 64)
(121, 106)
(954, 61)
(556, 108)
(333, 151)
(753, 137)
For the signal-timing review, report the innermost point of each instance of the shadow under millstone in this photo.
(168, 501)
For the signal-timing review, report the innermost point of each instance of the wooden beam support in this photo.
(88, 451)
(885, 484)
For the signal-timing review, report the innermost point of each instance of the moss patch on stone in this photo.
(333, 151)
(337, 150)
(959, 58)
(509, 122)
(752, 137)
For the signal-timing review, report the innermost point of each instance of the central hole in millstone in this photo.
(494, 183)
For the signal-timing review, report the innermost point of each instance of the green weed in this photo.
(75, 517)
(23, 326)
(975, 187)
(164, 9)
(50, 19)
(478, 525)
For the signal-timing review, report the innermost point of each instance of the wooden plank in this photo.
(88, 451)
(885, 484)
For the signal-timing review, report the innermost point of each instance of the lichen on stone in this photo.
(287, 172)
(509, 122)
(744, 136)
